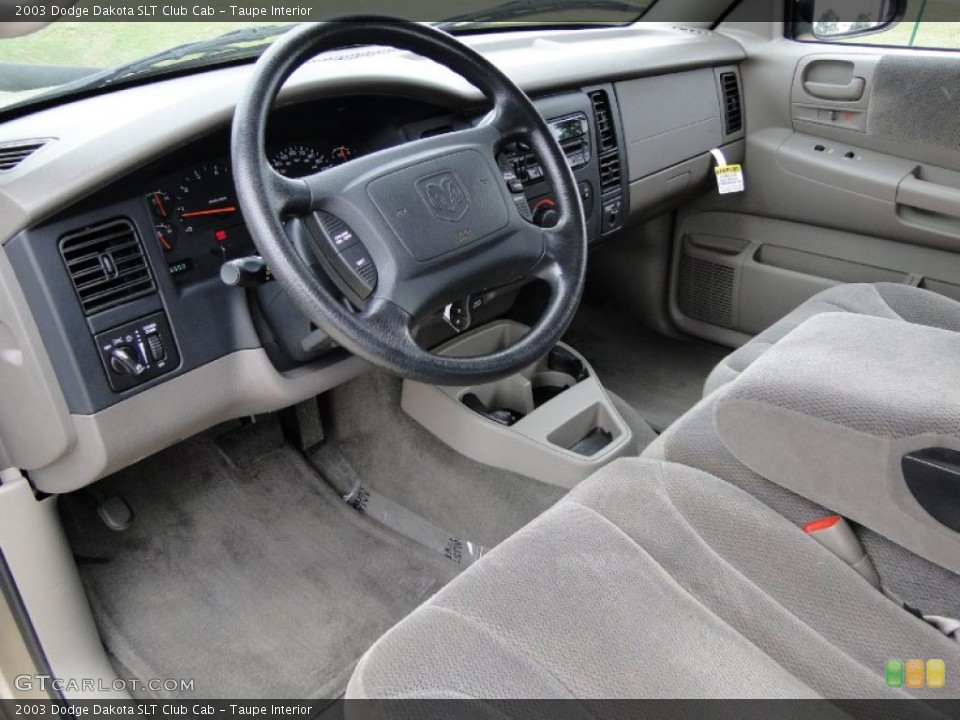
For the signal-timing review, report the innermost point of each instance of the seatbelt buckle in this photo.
(836, 535)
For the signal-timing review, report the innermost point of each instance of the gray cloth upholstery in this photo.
(831, 409)
(693, 441)
(885, 300)
(655, 580)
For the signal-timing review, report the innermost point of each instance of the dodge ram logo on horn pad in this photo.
(445, 195)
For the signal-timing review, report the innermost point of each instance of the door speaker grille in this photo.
(705, 290)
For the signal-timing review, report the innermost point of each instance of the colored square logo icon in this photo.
(894, 673)
(915, 674)
(936, 674)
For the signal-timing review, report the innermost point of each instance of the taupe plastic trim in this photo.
(536, 446)
(236, 385)
(34, 425)
(16, 657)
(929, 196)
(42, 566)
(780, 264)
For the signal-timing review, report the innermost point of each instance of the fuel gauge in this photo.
(166, 236)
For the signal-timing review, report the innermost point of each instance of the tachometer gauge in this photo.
(206, 199)
(299, 160)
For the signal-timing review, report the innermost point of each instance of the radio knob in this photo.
(123, 361)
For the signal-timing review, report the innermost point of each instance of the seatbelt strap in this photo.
(836, 535)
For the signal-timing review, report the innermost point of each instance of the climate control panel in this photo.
(138, 352)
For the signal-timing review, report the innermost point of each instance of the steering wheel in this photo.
(430, 221)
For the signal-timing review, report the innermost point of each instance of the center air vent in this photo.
(732, 109)
(606, 135)
(12, 154)
(107, 265)
(610, 172)
(609, 160)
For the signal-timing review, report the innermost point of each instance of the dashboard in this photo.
(197, 220)
(113, 234)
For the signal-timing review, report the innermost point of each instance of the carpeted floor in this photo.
(246, 573)
(243, 571)
(395, 456)
(659, 376)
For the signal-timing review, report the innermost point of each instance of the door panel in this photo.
(852, 175)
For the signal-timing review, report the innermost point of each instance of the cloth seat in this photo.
(886, 300)
(653, 580)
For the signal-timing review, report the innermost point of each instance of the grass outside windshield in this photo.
(93, 46)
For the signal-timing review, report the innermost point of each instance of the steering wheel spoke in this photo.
(290, 196)
(433, 217)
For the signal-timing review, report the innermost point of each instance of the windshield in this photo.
(74, 52)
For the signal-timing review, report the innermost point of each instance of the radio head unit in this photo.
(573, 134)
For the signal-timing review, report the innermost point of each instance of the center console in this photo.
(553, 421)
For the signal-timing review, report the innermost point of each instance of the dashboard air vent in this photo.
(609, 155)
(107, 265)
(606, 134)
(12, 154)
(610, 172)
(732, 110)
(692, 30)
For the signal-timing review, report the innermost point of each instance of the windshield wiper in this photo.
(514, 10)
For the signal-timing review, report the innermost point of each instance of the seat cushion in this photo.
(652, 579)
(886, 300)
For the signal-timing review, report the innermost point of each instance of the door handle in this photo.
(853, 90)
(929, 196)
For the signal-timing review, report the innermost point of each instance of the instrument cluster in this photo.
(197, 220)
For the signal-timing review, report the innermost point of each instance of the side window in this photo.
(927, 24)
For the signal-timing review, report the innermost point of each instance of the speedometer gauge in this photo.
(299, 160)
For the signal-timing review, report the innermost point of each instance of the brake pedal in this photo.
(303, 426)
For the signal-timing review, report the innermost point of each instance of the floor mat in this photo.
(659, 376)
(243, 571)
(394, 455)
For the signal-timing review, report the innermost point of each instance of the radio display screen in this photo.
(568, 129)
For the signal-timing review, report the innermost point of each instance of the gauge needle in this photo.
(212, 211)
(163, 241)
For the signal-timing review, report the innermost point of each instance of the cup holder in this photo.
(548, 384)
(510, 400)
(561, 360)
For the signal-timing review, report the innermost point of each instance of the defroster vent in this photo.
(107, 265)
